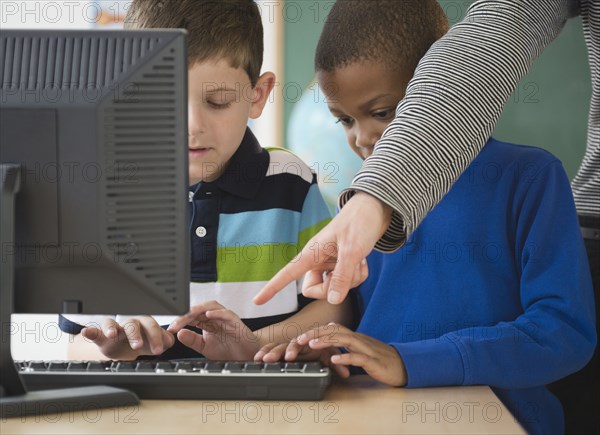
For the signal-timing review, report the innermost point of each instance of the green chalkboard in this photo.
(548, 109)
(550, 106)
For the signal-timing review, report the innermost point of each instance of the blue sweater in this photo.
(493, 287)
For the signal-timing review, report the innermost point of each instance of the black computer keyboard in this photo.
(185, 379)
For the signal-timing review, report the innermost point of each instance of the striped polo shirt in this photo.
(248, 224)
(244, 227)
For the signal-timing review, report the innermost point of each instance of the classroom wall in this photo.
(548, 109)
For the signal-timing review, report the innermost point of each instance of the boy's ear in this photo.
(260, 93)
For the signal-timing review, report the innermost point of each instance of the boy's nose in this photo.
(195, 124)
(365, 139)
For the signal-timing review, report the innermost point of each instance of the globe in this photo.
(314, 136)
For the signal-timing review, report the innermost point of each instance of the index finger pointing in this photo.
(292, 271)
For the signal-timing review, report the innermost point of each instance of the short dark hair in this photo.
(396, 33)
(229, 29)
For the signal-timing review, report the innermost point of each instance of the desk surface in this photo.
(356, 405)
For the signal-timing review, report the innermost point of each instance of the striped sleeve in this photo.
(452, 105)
(586, 184)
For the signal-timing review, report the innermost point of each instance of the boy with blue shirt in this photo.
(494, 286)
(251, 208)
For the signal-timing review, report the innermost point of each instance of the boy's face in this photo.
(220, 101)
(363, 97)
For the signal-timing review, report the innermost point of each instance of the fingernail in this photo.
(364, 261)
(334, 297)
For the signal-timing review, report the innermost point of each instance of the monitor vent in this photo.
(68, 62)
(142, 126)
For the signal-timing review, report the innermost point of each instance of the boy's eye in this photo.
(383, 114)
(219, 105)
(344, 120)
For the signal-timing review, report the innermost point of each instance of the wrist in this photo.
(379, 209)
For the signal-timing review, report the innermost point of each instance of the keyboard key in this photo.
(145, 366)
(234, 366)
(313, 367)
(165, 366)
(38, 366)
(77, 366)
(57, 366)
(198, 366)
(124, 366)
(184, 366)
(294, 367)
(253, 367)
(98, 366)
(273, 368)
(214, 367)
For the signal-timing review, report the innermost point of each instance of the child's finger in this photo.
(196, 314)
(337, 339)
(223, 315)
(133, 333)
(264, 350)
(111, 329)
(275, 354)
(154, 335)
(295, 350)
(192, 319)
(93, 334)
(320, 332)
(351, 359)
(340, 337)
(341, 370)
(168, 339)
(192, 340)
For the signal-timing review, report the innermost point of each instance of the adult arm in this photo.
(452, 105)
(450, 109)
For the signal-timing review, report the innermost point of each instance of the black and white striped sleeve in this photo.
(452, 105)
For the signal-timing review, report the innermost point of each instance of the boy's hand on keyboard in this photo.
(380, 360)
(136, 336)
(224, 337)
(296, 351)
(293, 351)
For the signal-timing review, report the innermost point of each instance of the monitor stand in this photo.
(15, 400)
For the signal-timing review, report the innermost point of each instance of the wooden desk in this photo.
(358, 405)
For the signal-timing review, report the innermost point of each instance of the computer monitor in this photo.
(93, 148)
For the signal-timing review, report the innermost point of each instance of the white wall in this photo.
(36, 337)
(269, 127)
